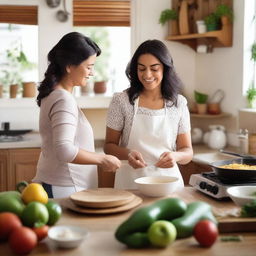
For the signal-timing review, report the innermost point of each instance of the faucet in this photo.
(5, 126)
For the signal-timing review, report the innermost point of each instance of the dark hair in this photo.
(171, 84)
(72, 49)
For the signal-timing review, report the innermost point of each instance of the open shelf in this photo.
(218, 38)
(209, 116)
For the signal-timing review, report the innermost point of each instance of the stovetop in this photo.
(212, 176)
(210, 184)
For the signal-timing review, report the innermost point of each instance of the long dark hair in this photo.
(72, 49)
(171, 84)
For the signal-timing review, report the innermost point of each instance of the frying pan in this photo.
(231, 176)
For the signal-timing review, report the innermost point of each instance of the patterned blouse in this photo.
(121, 112)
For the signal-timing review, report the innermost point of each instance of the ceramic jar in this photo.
(217, 138)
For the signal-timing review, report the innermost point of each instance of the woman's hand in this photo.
(166, 160)
(110, 163)
(136, 160)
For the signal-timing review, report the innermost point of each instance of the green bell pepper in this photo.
(10, 201)
(196, 211)
(133, 232)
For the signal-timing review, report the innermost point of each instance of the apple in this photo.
(161, 233)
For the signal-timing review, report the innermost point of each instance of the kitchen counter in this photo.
(29, 140)
(101, 241)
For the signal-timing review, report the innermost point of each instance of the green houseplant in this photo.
(166, 15)
(224, 10)
(251, 96)
(170, 15)
(212, 22)
(201, 102)
(251, 92)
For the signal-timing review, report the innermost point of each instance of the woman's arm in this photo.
(112, 147)
(107, 162)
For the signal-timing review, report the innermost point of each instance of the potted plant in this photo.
(251, 96)
(201, 102)
(212, 22)
(225, 13)
(172, 16)
(14, 65)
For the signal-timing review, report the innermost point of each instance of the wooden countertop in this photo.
(101, 241)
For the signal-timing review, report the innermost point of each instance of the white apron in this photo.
(151, 136)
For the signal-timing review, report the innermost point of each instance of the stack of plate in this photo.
(101, 201)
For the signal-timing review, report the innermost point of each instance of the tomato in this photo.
(55, 212)
(8, 222)
(206, 233)
(41, 232)
(22, 240)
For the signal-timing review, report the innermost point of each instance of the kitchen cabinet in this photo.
(17, 165)
(192, 168)
(198, 11)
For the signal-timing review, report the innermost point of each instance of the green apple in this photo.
(162, 233)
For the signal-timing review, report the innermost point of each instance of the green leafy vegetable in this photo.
(249, 210)
(231, 238)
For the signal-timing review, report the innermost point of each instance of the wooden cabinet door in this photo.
(192, 168)
(3, 169)
(23, 164)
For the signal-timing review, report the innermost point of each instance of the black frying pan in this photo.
(230, 176)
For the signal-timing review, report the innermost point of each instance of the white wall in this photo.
(145, 26)
(223, 69)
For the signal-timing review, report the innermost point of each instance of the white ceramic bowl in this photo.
(67, 236)
(157, 186)
(242, 195)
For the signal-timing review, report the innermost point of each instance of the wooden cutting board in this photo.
(68, 203)
(102, 198)
(227, 225)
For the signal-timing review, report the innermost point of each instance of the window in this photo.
(15, 41)
(108, 24)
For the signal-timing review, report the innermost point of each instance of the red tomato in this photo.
(206, 233)
(8, 222)
(41, 232)
(22, 240)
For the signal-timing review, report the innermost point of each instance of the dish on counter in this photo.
(102, 197)
(67, 236)
(156, 186)
(242, 195)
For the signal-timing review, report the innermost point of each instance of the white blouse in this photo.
(121, 112)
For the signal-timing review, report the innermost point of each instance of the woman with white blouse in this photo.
(68, 162)
(149, 124)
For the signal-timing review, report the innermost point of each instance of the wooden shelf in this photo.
(208, 116)
(218, 38)
(189, 13)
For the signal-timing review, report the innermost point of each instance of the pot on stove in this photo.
(216, 138)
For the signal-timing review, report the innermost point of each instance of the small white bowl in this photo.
(242, 195)
(67, 236)
(157, 186)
